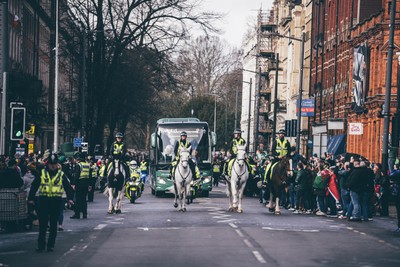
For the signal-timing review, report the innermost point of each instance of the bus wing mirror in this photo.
(214, 139)
(153, 140)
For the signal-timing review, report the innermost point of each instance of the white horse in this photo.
(182, 178)
(116, 186)
(237, 181)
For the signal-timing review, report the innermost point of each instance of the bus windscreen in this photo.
(169, 135)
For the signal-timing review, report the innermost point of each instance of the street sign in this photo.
(307, 107)
(77, 142)
(85, 147)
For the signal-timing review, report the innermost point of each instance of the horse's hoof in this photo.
(110, 212)
(231, 209)
(184, 209)
(118, 211)
(239, 211)
(277, 213)
(181, 210)
(175, 205)
(271, 209)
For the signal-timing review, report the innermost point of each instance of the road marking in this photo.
(258, 256)
(100, 226)
(291, 230)
(12, 253)
(239, 233)
(247, 242)
(158, 228)
(233, 225)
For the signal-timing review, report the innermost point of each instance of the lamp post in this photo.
(55, 147)
(215, 113)
(236, 106)
(386, 111)
(300, 98)
(249, 111)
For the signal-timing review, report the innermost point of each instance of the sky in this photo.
(239, 13)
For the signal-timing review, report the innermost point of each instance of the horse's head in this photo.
(241, 155)
(287, 163)
(184, 156)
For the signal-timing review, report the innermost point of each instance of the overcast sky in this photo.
(239, 13)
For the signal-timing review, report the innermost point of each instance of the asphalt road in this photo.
(153, 233)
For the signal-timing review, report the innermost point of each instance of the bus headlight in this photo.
(207, 179)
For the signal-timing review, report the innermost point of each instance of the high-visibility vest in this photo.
(85, 170)
(143, 166)
(216, 168)
(281, 147)
(235, 143)
(118, 148)
(181, 144)
(51, 186)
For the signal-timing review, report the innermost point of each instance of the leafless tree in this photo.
(114, 26)
(205, 63)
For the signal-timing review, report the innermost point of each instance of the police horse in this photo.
(236, 183)
(182, 178)
(278, 181)
(116, 176)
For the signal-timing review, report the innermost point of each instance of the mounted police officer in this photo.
(118, 148)
(237, 140)
(51, 183)
(281, 146)
(82, 186)
(184, 143)
(118, 151)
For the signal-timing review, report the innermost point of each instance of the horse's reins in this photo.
(239, 175)
(184, 178)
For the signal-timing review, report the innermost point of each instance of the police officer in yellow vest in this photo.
(118, 148)
(184, 143)
(51, 183)
(118, 151)
(237, 140)
(82, 186)
(281, 146)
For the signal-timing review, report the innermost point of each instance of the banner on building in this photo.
(355, 128)
(307, 107)
(360, 78)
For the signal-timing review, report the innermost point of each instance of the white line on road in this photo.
(158, 228)
(233, 225)
(12, 253)
(100, 226)
(247, 242)
(239, 232)
(259, 257)
(291, 230)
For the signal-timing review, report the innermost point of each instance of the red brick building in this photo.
(348, 70)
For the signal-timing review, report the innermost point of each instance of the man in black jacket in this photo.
(360, 183)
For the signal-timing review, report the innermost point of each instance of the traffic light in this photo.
(17, 123)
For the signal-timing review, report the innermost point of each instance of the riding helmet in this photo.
(183, 133)
(119, 135)
(281, 131)
(237, 131)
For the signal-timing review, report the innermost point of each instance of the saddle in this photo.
(230, 165)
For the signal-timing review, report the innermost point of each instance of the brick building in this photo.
(347, 77)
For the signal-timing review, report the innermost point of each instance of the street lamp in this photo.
(300, 99)
(55, 147)
(248, 115)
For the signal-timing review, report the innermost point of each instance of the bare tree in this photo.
(113, 26)
(204, 64)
